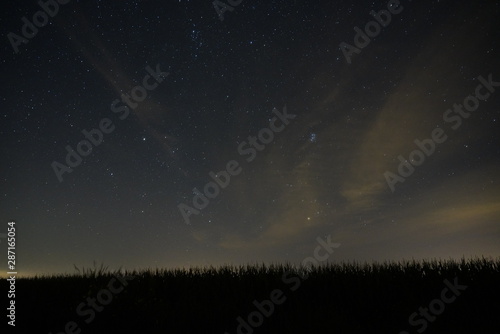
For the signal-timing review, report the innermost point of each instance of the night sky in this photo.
(303, 125)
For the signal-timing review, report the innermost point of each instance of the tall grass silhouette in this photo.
(339, 297)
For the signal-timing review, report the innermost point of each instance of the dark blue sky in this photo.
(182, 93)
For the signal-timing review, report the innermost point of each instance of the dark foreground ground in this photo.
(416, 297)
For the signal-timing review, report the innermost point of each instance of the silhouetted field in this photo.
(337, 298)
